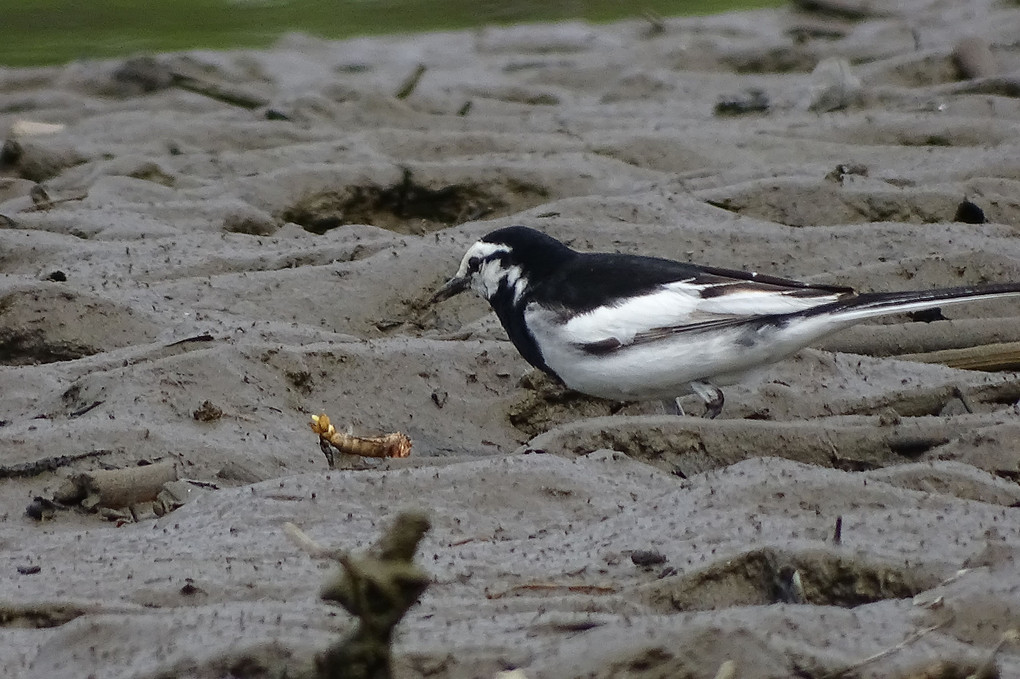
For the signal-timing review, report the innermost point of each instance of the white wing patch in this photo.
(671, 305)
(678, 304)
(761, 302)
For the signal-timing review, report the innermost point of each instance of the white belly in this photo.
(663, 369)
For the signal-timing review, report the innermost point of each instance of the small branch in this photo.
(228, 95)
(656, 24)
(553, 588)
(196, 338)
(410, 83)
(49, 202)
(308, 545)
(47, 464)
(378, 587)
(911, 638)
(82, 411)
(988, 357)
(923, 338)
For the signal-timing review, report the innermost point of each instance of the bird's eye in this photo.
(474, 263)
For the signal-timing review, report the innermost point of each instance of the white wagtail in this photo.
(632, 328)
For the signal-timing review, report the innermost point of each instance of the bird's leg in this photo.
(711, 395)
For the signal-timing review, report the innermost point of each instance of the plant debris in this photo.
(330, 439)
(127, 494)
(378, 587)
(208, 412)
(115, 488)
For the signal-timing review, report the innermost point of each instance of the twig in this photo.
(50, 202)
(987, 668)
(197, 338)
(656, 24)
(378, 587)
(964, 399)
(410, 83)
(308, 545)
(924, 338)
(988, 357)
(82, 411)
(47, 464)
(553, 587)
(925, 602)
(911, 638)
(232, 96)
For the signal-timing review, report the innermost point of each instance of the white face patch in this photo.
(485, 274)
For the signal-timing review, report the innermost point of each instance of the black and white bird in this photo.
(633, 328)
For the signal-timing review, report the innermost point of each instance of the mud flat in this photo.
(199, 251)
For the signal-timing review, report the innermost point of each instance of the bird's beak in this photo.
(452, 287)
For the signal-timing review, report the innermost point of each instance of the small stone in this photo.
(833, 86)
(753, 100)
(646, 558)
(969, 213)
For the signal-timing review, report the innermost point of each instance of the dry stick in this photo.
(229, 95)
(308, 545)
(197, 338)
(930, 401)
(911, 638)
(82, 411)
(47, 204)
(988, 357)
(1002, 85)
(47, 464)
(987, 668)
(378, 587)
(656, 24)
(922, 599)
(964, 399)
(920, 338)
(553, 587)
(410, 83)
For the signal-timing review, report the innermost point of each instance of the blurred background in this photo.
(37, 32)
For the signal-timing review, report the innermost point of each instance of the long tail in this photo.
(871, 304)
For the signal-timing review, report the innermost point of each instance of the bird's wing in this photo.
(704, 299)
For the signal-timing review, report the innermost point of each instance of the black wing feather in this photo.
(589, 281)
